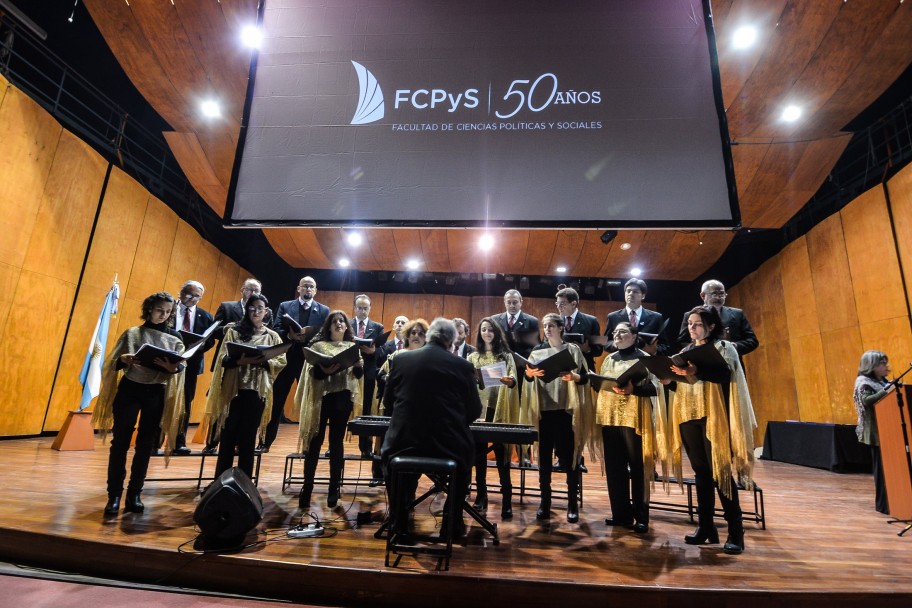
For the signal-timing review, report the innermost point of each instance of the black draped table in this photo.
(816, 444)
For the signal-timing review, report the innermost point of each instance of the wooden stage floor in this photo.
(824, 543)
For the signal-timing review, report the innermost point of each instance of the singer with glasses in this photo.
(240, 398)
(871, 386)
(714, 420)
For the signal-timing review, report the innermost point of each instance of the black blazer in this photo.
(202, 321)
(293, 308)
(588, 326)
(371, 332)
(650, 322)
(524, 323)
(432, 397)
(228, 312)
(738, 331)
(467, 350)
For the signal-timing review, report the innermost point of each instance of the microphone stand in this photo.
(902, 422)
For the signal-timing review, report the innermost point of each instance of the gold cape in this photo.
(227, 382)
(504, 399)
(576, 399)
(646, 415)
(730, 433)
(173, 415)
(309, 396)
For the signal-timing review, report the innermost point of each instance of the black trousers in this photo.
(881, 504)
(334, 412)
(500, 457)
(280, 389)
(365, 443)
(555, 435)
(404, 487)
(131, 400)
(240, 431)
(624, 473)
(699, 451)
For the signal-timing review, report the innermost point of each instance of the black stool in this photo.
(403, 472)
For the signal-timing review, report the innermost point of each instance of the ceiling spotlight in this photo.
(524, 283)
(744, 37)
(791, 113)
(635, 272)
(252, 36)
(210, 109)
(625, 246)
(354, 239)
(486, 242)
(344, 263)
(412, 264)
(608, 236)
(561, 269)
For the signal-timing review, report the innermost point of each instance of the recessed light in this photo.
(210, 109)
(486, 242)
(344, 263)
(791, 113)
(354, 239)
(412, 264)
(744, 36)
(561, 269)
(625, 246)
(635, 272)
(252, 36)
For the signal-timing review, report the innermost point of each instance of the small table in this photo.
(834, 447)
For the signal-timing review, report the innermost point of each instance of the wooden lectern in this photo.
(894, 427)
(77, 432)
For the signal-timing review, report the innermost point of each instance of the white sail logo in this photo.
(370, 97)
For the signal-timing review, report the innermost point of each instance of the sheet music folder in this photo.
(554, 366)
(236, 350)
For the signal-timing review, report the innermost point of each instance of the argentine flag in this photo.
(90, 376)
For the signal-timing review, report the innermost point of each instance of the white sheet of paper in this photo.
(491, 374)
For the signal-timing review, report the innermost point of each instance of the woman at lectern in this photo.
(561, 411)
(326, 397)
(632, 419)
(712, 416)
(240, 398)
(156, 391)
(870, 387)
(501, 404)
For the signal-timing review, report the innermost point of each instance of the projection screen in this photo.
(502, 113)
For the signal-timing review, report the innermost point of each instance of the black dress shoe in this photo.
(640, 528)
(287, 420)
(506, 512)
(702, 536)
(734, 544)
(367, 455)
(133, 504)
(332, 499)
(113, 507)
(210, 451)
(304, 496)
(572, 514)
(481, 503)
(375, 482)
(182, 451)
(544, 511)
(609, 521)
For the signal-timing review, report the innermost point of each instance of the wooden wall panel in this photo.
(801, 312)
(9, 276)
(811, 386)
(832, 279)
(184, 255)
(841, 351)
(900, 190)
(458, 306)
(153, 252)
(893, 337)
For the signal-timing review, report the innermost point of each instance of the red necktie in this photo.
(186, 319)
(569, 323)
(511, 321)
(633, 319)
(398, 344)
(360, 329)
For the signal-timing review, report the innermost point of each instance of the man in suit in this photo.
(641, 319)
(517, 324)
(432, 397)
(460, 348)
(736, 328)
(363, 327)
(191, 318)
(307, 312)
(578, 322)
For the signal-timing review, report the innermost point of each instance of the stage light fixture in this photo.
(608, 236)
(561, 269)
(354, 239)
(344, 263)
(252, 36)
(210, 109)
(791, 113)
(744, 37)
(524, 283)
(636, 271)
(412, 264)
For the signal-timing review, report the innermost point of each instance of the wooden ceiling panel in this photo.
(619, 261)
(408, 247)
(283, 244)
(305, 239)
(434, 250)
(383, 248)
(790, 47)
(594, 253)
(540, 252)
(771, 178)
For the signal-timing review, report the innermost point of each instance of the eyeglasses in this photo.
(416, 332)
(562, 304)
(191, 296)
(256, 309)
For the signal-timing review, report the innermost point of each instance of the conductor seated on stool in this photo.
(432, 397)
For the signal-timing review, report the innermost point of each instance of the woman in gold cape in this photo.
(632, 418)
(130, 389)
(240, 398)
(562, 412)
(713, 419)
(501, 404)
(327, 396)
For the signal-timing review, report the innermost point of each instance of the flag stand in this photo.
(77, 432)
